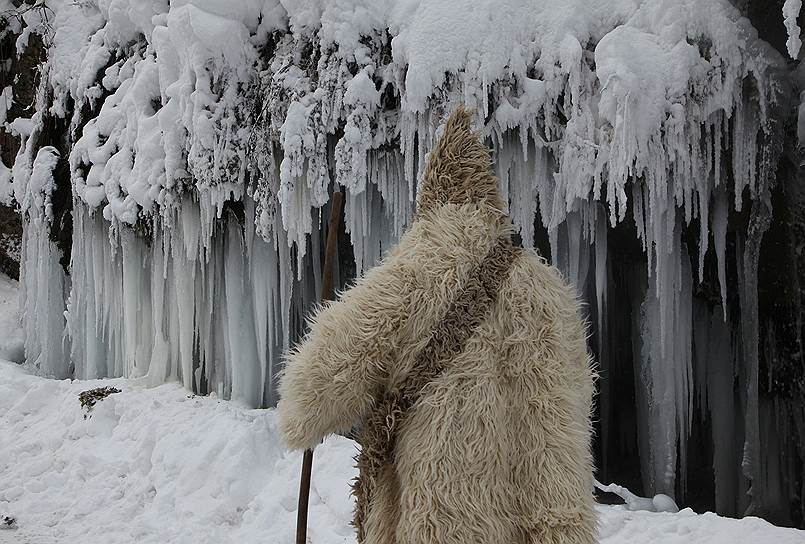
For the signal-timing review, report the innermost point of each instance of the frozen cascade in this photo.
(215, 305)
(666, 366)
(208, 138)
(242, 348)
(370, 225)
(397, 193)
(43, 283)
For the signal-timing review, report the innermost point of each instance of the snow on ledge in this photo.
(185, 97)
(161, 465)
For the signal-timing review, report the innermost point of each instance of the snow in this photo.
(791, 10)
(199, 61)
(6, 186)
(11, 342)
(41, 184)
(153, 465)
(6, 99)
(657, 503)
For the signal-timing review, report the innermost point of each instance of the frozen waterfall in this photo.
(638, 144)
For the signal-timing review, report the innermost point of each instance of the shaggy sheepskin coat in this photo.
(497, 448)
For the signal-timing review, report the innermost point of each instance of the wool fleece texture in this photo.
(496, 448)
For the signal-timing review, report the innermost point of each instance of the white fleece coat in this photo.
(497, 449)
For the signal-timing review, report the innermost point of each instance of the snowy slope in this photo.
(160, 465)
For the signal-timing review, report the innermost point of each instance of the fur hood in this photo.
(459, 169)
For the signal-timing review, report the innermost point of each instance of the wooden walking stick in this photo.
(326, 294)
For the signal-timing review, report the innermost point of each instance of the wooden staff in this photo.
(326, 294)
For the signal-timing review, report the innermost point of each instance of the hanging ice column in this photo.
(43, 282)
(43, 285)
(169, 308)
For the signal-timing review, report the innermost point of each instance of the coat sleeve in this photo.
(332, 376)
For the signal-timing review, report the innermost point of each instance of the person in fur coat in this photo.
(495, 447)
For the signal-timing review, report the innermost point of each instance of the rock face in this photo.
(176, 161)
(19, 72)
(10, 238)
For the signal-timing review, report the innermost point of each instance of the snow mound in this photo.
(161, 465)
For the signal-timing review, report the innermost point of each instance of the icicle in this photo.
(43, 285)
(601, 282)
(720, 242)
(44, 296)
(263, 279)
(504, 164)
(791, 10)
(285, 287)
(386, 172)
(759, 222)
(354, 215)
(704, 227)
(137, 328)
(666, 359)
(184, 285)
(246, 386)
(578, 253)
(159, 364)
(516, 174)
(658, 398)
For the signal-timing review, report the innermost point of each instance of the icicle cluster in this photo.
(209, 133)
(43, 281)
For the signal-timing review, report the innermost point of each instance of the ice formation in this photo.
(791, 11)
(657, 503)
(205, 136)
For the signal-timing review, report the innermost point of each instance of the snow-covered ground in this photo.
(161, 465)
(156, 465)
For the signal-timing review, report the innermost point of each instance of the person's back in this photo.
(496, 447)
